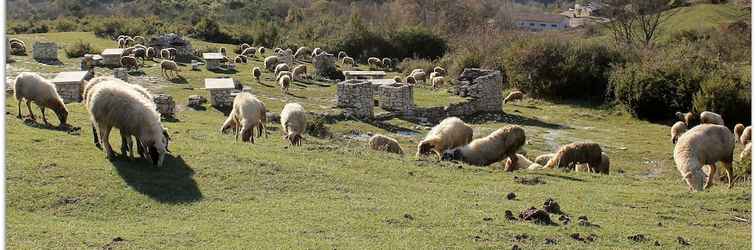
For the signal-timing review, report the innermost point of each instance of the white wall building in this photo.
(541, 22)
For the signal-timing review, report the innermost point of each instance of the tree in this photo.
(637, 21)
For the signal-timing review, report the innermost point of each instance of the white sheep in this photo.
(410, 80)
(283, 73)
(513, 96)
(281, 67)
(277, 50)
(449, 133)
(437, 82)
(347, 61)
(166, 66)
(745, 138)
(261, 50)
(381, 142)
(711, 118)
(247, 113)
(249, 52)
(522, 163)
(677, 130)
(439, 70)
(271, 62)
(299, 72)
(386, 62)
(418, 75)
(705, 144)
(136, 116)
(316, 52)
(301, 52)
(33, 88)
(129, 62)
(256, 72)
(293, 123)
(284, 82)
(240, 59)
(398, 79)
(544, 158)
(433, 75)
(738, 131)
(746, 153)
(603, 167)
(243, 47)
(502, 143)
(341, 55)
(374, 62)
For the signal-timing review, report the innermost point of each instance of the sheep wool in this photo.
(513, 96)
(705, 144)
(738, 131)
(347, 60)
(375, 62)
(574, 153)
(677, 130)
(271, 62)
(249, 52)
(301, 51)
(449, 133)
(247, 113)
(711, 118)
(256, 72)
(341, 55)
(299, 72)
(522, 163)
(502, 143)
(381, 142)
(284, 82)
(33, 88)
(437, 82)
(745, 138)
(281, 67)
(293, 123)
(746, 154)
(544, 158)
(168, 66)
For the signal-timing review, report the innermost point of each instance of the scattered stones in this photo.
(165, 105)
(511, 196)
(45, 51)
(591, 237)
(682, 241)
(409, 217)
(508, 214)
(529, 181)
(551, 206)
(565, 219)
(69, 200)
(521, 237)
(637, 238)
(536, 215)
(195, 101)
(656, 243)
(550, 241)
(577, 237)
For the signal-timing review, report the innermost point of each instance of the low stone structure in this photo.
(396, 97)
(221, 90)
(483, 87)
(111, 57)
(213, 61)
(285, 57)
(165, 105)
(45, 51)
(183, 47)
(121, 73)
(70, 85)
(356, 98)
(324, 63)
(349, 75)
(196, 101)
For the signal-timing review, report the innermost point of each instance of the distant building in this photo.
(541, 22)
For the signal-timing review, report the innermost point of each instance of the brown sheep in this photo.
(502, 143)
(574, 153)
(380, 142)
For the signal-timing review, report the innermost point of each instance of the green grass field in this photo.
(332, 193)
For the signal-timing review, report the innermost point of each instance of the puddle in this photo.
(550, 139)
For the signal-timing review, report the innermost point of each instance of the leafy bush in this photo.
(364, 44)
(65, 25)
(209, 30)
(418, 42)
(465, 59)
(726, 92)
(407, 65)
(80, 48)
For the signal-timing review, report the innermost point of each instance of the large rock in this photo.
(45, 51)
(325, 65)
(183, 47)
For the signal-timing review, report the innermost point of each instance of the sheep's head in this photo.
(155, 150)
(695, 181)
(166, 139)
(60, 110)
(674, 139)
(247, 135)
(294, 139)
(454, 154)
(424, 148)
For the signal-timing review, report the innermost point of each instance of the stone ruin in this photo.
(45, 51)
(171, 40)
(356, 98)
(285, 57)
(196, 101)
(396, 97)
(165, 105)
(121, 73)
(483, 87)
(325, 64)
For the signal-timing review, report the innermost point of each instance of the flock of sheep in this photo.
(113, 103)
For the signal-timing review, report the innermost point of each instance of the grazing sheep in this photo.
(166, 66)
(283, 73)
(316, 52)
(439, 70)
(136, 116)
(256, 72)
(745, 138)
(128, 41)
(418, 75)
(121, 42)
(574, 153)
(738, 131)
(151, 52)
(261, 50)
(514, 95)
(341, 55)
(711, 118)
(271, 62)
(449, 133)
(381, 142)
(398, 79)
(249, 52)
(347, 60)
(248, 112)
(277, 50)
(293, 123)
(437, 82)
(410, 80)
(432, 75)
(140, 40)
(129, 62)
(522, 163)
(386, 63)
(173, 52)
(166, 54)
(605, 164)
(240, 59)
(17, 47)
(281, 67)
(746, 154)
(284, 82)
(299, 72)
(140, 53)
(375, 62)
(705, 144)
(677, 130)
(301, 51)
(289, 51)
(502, 143)
(544, 158)
(243, 47)
(33, 88)
(16, 40)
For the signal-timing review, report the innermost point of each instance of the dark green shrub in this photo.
(417, 42)
(80, 48)
(726, 92)
(364, 44)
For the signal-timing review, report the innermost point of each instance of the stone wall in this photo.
(69, 91)
(45, 51)
(355, 97)
(483, 87)
(222, 97)
(121, 73)
(165, 105)
(183, 47)
(396, 97)
(325, 64)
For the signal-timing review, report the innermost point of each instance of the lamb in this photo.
(261, 50)
(381, 142)
(502, 143)
(347, 60)
(256, 72)
(386, 62)
(271, 62)
(544, 158)
(439, 70)
(711, 118)
(151, 52)
(705, 144)
(301, 52)
(33, 88)
(316, 52)
(437, 82)
(418, 75)
(745, 138)
(375, 62)
(240, 59)
(166, 66)
(449, 133)
(341, 55)
(281, 67)
(514, 95)
(130, 62)
(410, 80)
(522, 163)
(398, 79)
(677, 130)
(284, 82)
(293, 123)
(738, 131)
(299, 72)
(243, 47)
(283, 73)
(575, 153)
(249, 52)
(247, 112)
(688, 118)
(136, 116)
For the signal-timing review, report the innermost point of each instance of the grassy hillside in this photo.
(701, 16)
(331, 193)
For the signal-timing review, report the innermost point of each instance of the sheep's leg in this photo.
(44, 118)
(710, 178)
(28, 106)
(96, 138)
(729, 173)
(19, 110)
(105, 140)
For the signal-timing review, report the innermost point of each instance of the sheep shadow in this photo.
(311, 82)
(480, 118)
(179, 80)
(172, 183)
(55, 62)
(266, 85)
(226, 110)
(136, 72)
(296, 96)
(34, 124)
(391, 127)
(170, 119)
(569, 178)
(224, 71)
